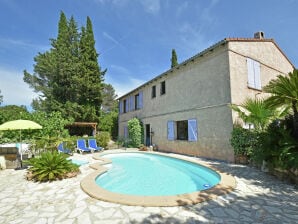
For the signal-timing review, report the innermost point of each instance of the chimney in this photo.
(259, 35)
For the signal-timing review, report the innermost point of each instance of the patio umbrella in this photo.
(19, 125)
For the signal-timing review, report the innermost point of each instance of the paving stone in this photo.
(258, 198)
(84, 218)
(75, 213)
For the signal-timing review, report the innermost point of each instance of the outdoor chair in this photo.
(62, 149)
(81, 146)
(93, 145)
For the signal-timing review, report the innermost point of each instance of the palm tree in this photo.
(256, 112)
(284, 91)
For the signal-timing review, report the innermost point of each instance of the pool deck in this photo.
(257, 198)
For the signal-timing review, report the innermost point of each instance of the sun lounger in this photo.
(93, 145)
(62, 149)
(81, 146)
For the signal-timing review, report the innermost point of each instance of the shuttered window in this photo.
(171, 134)
(131, 103)
(140, 100)
(254, 74)
(192, 130)
(186, 130)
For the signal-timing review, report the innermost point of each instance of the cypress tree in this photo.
(68, 77)
(174, 60)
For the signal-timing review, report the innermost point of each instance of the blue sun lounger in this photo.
(61, 149)
(81, 146)
(93, 145)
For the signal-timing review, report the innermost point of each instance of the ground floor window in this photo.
(183, 130)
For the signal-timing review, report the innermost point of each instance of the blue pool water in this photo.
(155, 175)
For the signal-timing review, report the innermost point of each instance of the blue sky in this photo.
(135, 37)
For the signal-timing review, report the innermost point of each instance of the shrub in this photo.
(51, 166)
(278, 147)
(103, 138)
(134, 132)
(244, 141)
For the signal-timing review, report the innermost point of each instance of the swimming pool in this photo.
(155, 175)
(78, 162)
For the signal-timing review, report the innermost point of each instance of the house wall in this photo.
(272, 63)
(197, 90)
(202, 89)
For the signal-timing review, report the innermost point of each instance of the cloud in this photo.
(122, 80)
(14, 90)
(4, 42)
(109, 37)
(151, 6)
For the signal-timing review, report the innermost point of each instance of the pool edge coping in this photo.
(88, 185)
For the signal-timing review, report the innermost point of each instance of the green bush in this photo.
(278, 147)
(244, 141)
(134, 132)
(51, 166)
(103, 139)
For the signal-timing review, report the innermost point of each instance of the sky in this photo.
(134, 38)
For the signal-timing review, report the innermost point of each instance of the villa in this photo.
(186, 109)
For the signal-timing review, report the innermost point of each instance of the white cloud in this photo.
(21, 43)
(151, 6)
(109, 37)
(14, 90)
(122, 80)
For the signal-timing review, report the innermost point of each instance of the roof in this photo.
(211, 48)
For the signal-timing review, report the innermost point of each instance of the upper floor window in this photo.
(124, 106)
(137, 101)
(153, 92)
(254, 74)
(163, 88)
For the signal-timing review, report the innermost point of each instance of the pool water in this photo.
(155, 175)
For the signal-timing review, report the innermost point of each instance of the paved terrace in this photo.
(258, 198)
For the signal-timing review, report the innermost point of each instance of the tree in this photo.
(1, 98)
(257, 112)
(284, 91)
(68, 77)
(109, 102)
(134, 132)
(174, 60)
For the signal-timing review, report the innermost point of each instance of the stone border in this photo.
(88, 185)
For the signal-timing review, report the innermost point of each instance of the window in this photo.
(137, 101)
(163, 88)
(182, 130)
(254, 76)
(153, 92)
(125, 105)
(186, 130)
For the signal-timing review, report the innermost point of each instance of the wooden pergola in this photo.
(93, 125)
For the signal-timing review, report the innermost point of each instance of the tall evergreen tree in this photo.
(174, 60)
(68, 77)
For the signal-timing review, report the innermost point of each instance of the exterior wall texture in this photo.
(202, 89)
(272, 63)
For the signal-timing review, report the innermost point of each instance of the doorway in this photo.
(148, 136)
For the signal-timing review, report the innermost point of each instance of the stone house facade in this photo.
(186, 109)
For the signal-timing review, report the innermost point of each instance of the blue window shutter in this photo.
(125, 132)
(127, 102)
(192, 130)
(257, 75)
(131, 103)
(120, 106)
(140, 100)
(171, 135)
(250, 73)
